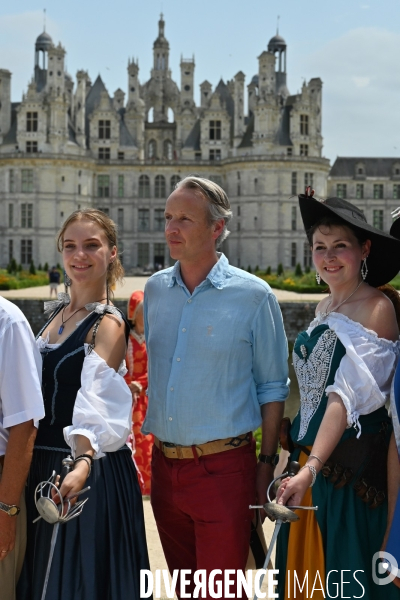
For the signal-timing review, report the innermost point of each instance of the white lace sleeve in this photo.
(103, 407)
(365, 373)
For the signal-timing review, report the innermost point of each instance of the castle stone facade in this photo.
(69, 144)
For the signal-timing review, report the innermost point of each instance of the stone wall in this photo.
(296, 315)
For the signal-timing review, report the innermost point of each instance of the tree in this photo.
(280, 269)
(298, 272)
(46, 266)
(268, 271)
(307, 269)
(32, 269)
(249, 269)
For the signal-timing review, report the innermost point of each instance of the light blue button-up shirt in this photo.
(214, 356)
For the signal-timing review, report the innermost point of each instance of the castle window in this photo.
(159, 187)
(396, 191)
(308, 179)
(104, 153)
(307, 255)
(341, 190)
(378, 219)
(294, 218)
(215, 130)
(11, 180)
(304, 124)
(175, 179)
(27, 180)
(26, 252)
(120, 221)
(143, 255)
(187, 88)
(31, 121)
(215, 154)
(159, 256)
(293, 254)
(144, 186)
(152, 149)
(120, 186)
(378, 191)
(104, 130)
(11, 215)
(10, 250)
(159, 219)
(79, 189)
(168, 149)
(121, 155)
(289, 151)
(31, 146)
(103, 186)
(26, 215)
(303, 149)
(294, 183)
(360, 190)
(104, 209)
(144, 219)
(238, 211)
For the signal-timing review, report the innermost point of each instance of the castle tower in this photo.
(266, 74)
(83, 82)
(56, 70)
(205, 93)
(187, 81)
(160, 53)
(5, 102)
(42, 47)
(277, 46)
(238, 97)
(133, 81)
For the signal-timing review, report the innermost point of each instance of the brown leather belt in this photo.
(175, 451)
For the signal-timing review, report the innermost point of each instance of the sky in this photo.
(352, 45)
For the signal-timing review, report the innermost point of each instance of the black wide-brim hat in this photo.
(383, 261)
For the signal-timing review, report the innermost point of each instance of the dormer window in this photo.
(215, 130)
(303, 124)
(31, 121)
(104, 130)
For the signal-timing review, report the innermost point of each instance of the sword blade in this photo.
(268, 557)
(52, 546)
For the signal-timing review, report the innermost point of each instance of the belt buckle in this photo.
(179, 451)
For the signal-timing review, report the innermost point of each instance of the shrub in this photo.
(307, 269)
(257, 269)
(249, 269)
(280, 269)
(40, 267)
(268, 271)
(46, 266)
(32, 269)
(298, 272)
(19, 268)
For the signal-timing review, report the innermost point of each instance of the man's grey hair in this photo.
(218, 202)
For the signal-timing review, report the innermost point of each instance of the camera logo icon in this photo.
(384, 568)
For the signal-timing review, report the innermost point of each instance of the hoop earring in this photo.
(318, 277)
(364, 269)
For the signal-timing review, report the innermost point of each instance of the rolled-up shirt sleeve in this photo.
(270, 353)
(20, 376)
(102, 410)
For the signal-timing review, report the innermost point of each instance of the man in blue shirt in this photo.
(217, 370)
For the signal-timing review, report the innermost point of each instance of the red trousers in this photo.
(201, 508)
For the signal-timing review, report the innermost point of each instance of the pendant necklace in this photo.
(62, 326)
(323, 315)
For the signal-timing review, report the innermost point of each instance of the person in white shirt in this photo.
(21, 407)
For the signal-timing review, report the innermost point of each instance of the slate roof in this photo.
(247, 140)
(193, 139)
(125, 138)
(11, 135)
(373, 167)
(283, 133)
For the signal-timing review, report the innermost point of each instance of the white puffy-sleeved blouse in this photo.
(364, 376)
(103, 406)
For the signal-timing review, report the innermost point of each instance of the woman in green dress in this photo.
(344, 362)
